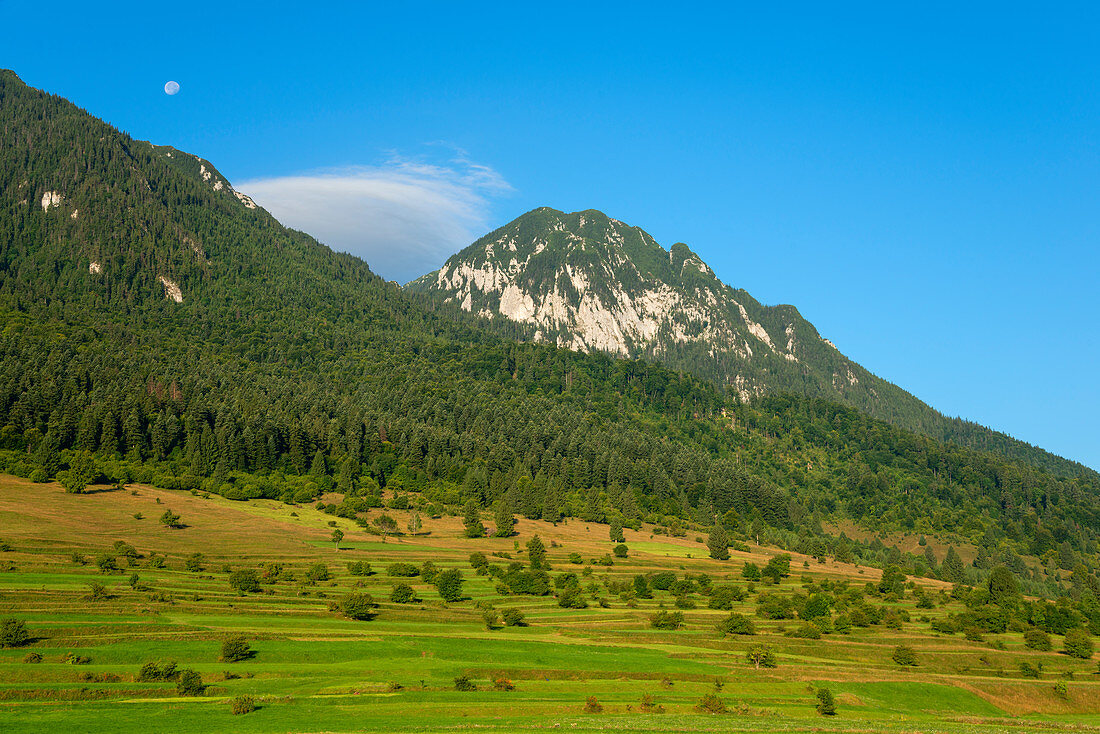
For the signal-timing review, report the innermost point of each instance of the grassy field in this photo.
(315, 670)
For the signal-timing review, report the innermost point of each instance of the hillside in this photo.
(173, 334)
(594, 284)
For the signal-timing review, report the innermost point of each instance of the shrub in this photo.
(736, 624)
(664, 620)
(406, 570)
(1028, 670)
(357, 606)
(1060, 690)
(235, 649)
(359, 568)
(402, 594)
(503, 684)
(32, 658)
(463, 683)
(711, 704)
(318, 572)
(13, 632)
(592, 705)
(244, 581)
(807, 631)
(1078, 644)
(904, 655)
(449, 584)
(649, 706)
(189, 683)
(620, 551)
(826, 704)
(513, 618)
(1036, 639)
(242, 705)
(153, 672)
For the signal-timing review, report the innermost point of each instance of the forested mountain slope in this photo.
(592, 283)
(157, 326)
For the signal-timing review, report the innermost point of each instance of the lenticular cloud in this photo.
(404, 217)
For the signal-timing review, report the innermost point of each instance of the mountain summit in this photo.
(592, 283)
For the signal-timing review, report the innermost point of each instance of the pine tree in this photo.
(615, 531)
(472, 520)
(504, 519)
(718, 543)
(536, 554)
(953, 569)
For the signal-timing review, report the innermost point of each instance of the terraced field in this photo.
(314, 669)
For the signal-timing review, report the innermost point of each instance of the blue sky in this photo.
(923, 182)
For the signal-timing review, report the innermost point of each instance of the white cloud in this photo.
(403, 217)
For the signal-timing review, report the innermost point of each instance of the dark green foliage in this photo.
(244, 581)
(319, 572)
(892, 581)
(641, 587)
(571, 597)
(1036, 639)
(826, 704)
(520, 581)
(663, 580)
(615, 531)
(664, 620)
(621, 551)
(189, 683)
(536, 554)
(723, 597)
(952, 569)
(1078, 644)
(162, 672)
(32, 658)
(403, 570)
(242, 705)
(472, 520)
(170, 520)
(13, 632)
(778, 567)
(449, 584)
(513, 617)
(750, 571)
(1003, 587)
(235, 649)
(402, 594)
(736, 624)
(463, 683)
(504, 519)
(718, 543)
(359, 568)
(358, 606)
(761, 656)
(904, 655)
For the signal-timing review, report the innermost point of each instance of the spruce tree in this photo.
(718, 543)
(472, 520)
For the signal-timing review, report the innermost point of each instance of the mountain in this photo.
(591, 283)
(157, 328)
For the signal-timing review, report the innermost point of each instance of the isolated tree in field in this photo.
(170, 519)
(504, 519)
(826, 704)
(471, 518)
(750, 571)
(402, 594)
(1078, 644)
(386, 525)
(337, 536)
(621, 551)
(244, 581)
(718, 543)
(615, 531)
(1036, 639)
(904, 655)
(189, 683)
(536, 554)
(760, 656)
(13, 632)
(357, 606)
(736, 624)
(415, 523)
(892, 581)
(449, 584)
(235, 649)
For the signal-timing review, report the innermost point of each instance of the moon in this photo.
(172, 88)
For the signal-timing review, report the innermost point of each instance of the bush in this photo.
(592, 705)
(649, 706)
(13, 632)
(318, 572)
(1036, 639)
(189, 683)
(406, 570)
(359, 568)
(32, 658)
(807, 631)
(664, 620)
(1078, 644)
(236, 649)
(463, 683)
(1028, 670)
(242, 705)
(244, 581)
(826, 704)
(154, 672)
(513, 618)
(402, 594)
(1060, 690)
(904, 655)
(449, 584)
(503, 684)
(358, 606)
(711, 704)
(736, 624)
(620, 551)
